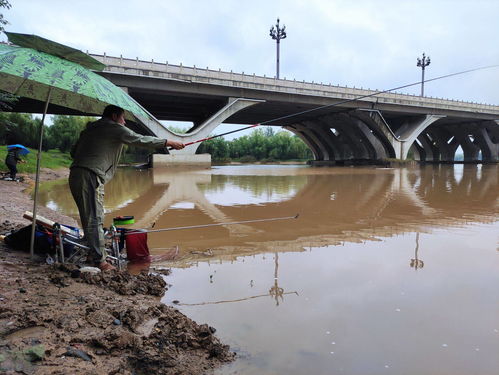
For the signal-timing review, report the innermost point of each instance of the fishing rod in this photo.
(218, 135)
(343, 102)
(137, 231)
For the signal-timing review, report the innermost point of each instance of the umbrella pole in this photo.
(37, 176)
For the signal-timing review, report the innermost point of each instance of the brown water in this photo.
(385, 271)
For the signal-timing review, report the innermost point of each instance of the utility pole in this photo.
(277, 34)
(424, 62)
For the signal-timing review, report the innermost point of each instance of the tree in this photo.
(64, 131)
(19, 128)
(261, 144)
(3, 21)
(6, 99)
(218, 148)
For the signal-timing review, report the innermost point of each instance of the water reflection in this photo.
(336, 205)
(416, 262)
(276, 292)
(330, 292)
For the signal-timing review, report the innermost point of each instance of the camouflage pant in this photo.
(88, 193)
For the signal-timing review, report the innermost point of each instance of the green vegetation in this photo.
(3, 4)
(25, 129)
(64, 132)
(53, 159)
(264, 145)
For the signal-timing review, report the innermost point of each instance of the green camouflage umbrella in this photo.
(34, 74)
(55, 49)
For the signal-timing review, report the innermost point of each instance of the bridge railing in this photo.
(252, 81)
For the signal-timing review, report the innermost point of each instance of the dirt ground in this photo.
(54, 320)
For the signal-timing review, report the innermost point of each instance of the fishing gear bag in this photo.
(44, 240)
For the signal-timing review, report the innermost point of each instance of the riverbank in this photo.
(54, 322)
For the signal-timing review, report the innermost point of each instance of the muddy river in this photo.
(385, 271)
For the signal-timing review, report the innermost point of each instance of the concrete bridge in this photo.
(379, 127)
(353, 129)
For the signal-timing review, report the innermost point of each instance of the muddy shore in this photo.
(55, 321)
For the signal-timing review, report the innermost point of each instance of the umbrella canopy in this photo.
(23, 150)
(55, 49)
(29, 73)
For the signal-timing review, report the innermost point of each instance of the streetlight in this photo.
(424, 62)
(277, 34)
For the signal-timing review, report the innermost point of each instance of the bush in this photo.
(247, 159)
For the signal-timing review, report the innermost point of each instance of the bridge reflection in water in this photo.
(336, 205)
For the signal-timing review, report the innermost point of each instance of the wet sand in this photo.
(52, 322)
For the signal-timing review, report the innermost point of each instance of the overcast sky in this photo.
(361, 43)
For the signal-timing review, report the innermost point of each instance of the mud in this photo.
(55, 320)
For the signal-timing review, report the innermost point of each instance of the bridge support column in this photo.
(302, 132)
(375, 143)
(343, 145)
(351, 135)
(490, 150)
(377, 125)
(446, 147)
(408, 133)
(202, 131)
(430, 151)
(326, 137)
(470, 149)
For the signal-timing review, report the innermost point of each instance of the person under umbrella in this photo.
(13, 157)
(95, 158)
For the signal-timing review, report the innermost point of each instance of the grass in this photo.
(52, 159)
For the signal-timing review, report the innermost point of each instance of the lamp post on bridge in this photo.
(277, 34)
(424, 62)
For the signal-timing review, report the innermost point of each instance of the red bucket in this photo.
(136, 247)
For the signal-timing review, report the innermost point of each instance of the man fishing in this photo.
(95, 158)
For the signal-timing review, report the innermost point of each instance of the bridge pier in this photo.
(430, 152)
(470, 149)
(407, 134)
(364, 137)
(440, 142)
(488, 140)
(188, 156)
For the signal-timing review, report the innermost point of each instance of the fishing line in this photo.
(138, 231)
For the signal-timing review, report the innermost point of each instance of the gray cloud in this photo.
(370, 44)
